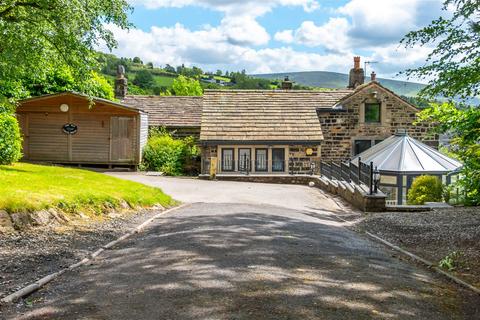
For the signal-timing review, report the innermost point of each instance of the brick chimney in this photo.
(121, 83)
(373, 76)
(357, 76)
(287, 84)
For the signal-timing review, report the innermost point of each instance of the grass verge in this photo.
(28, 187)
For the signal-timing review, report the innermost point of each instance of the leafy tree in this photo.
(137, 60)
(150, 65)
(144, 79)
(39, 36)
(454, 64)
(169, 68)
(183, 86)
(219, 72)
(454, 69)
(464, 126)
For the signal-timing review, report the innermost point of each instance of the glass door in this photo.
(261, 160)
(227, 160)
(278, 159)
(244, 160)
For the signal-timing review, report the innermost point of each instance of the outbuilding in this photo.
(73, 128)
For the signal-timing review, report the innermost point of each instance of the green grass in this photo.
(28, 187)
(163, 81)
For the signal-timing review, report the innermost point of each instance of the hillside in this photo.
(334, 80)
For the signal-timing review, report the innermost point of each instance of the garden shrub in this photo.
(10, 139)
(168, 155)
(425, 189)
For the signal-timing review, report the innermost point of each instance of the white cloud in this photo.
(285, 36)
(244, 30)
(250, 7)
(210, 50)
(331, 36)
(371, 28)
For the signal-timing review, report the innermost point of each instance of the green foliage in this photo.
(450, 261)
(39, 187)
(242, 81)
(418, 102)
(425, 189)
(454, 64)
(144, 79)
(168, 155)
(10, 139)
(48, 45)
(464, 126)
(183, 86)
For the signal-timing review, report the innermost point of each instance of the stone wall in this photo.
(207, 152)
(341, 127)
(298, 160)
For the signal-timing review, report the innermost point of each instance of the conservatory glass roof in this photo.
(401, 153)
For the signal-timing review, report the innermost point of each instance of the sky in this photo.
(265, 36)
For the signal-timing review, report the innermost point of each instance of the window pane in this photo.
(261, 159)
(227, 159)
(244, 159)
(278, 159)
(362, 145)
(372, 112)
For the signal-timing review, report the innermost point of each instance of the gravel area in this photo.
(27, 256)
(433, 235)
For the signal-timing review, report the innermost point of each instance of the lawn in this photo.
(29, 187)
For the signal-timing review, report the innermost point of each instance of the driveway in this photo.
(242, 251)
(195, 190)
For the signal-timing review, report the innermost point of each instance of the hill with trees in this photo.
(145, 78)
(334, 80)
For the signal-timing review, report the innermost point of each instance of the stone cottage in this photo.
(256, 131)
(291, 131)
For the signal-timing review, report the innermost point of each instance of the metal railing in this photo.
(348, 171)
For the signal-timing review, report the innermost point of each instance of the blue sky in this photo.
(264, 36)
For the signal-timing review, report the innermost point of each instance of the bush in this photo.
(425, 189)
(10, 139)
(168, 155)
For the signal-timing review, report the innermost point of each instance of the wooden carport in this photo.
(70, 127)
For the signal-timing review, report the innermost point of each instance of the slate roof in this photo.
(265, 115)
(169, 111)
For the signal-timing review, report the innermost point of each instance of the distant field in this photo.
(163, 81)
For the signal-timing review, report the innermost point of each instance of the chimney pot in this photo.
(356, 63)
(287, 84)
(373, 76)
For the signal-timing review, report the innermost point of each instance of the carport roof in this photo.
(401, 153)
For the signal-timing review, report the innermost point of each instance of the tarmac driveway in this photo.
(280, 258)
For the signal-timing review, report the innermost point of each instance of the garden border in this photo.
(429, 264)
